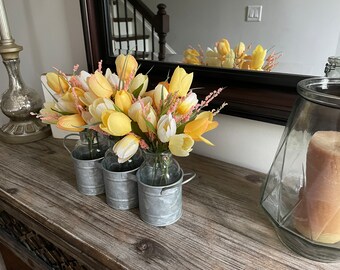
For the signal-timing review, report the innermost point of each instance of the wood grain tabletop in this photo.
(222, 226)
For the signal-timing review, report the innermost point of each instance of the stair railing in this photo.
(99, 34)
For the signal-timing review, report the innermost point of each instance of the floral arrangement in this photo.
(223, 56)
(167, 118)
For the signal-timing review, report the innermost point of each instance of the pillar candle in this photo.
(4, 28)
(317, 215)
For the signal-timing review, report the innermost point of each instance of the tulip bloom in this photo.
(212, 58)
(126, 147)
(57, 82)
(82, 78)
(223, 47)
(115, 123)
(126, 66)
(139, 81)
(136, 108)
(99, 106)
(123, 99)
(202, 123)
(189, 102)
(160, 93)
(166, 127)
(71, 123)
(192, 56)
(112, 78)
(180, 82)
(100, 85)
(239, 50)
(181, 145)
(258, 58)
(150, 115)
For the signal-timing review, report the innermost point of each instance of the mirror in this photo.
(305, 31)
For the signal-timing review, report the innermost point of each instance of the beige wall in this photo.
(51, 33)
(306, 31)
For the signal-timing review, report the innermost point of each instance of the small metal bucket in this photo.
(121, 189)
(162, 205)
(89, 174)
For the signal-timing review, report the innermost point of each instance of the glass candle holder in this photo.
(301, 194)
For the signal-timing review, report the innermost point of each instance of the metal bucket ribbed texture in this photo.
(121, 189)
(160, 205)
(89, 175)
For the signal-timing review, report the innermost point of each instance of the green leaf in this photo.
(137, 91)
(150, 127)
(117, 108)
(55, 99)
(136, 129)
(62, 113)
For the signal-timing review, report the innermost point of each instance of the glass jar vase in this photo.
(332, 68)
(301, 194)
(159, 169)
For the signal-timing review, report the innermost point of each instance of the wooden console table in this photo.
(222, 227)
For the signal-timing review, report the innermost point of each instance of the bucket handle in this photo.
(66, 137)
(191, 175)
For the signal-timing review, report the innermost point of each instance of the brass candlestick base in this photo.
(19, 101)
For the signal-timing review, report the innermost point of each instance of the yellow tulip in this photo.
(189, 102)
(126, 66)
(223, 47)
(191, 56)
(228, 60)
(180, 82)
(99, 106)
(137, 81)
(48, 113)
(181, 145)
(239, 49)
(126, 147)
(123, 99)
(57, 82)
(115, 123)
(258, 58)
(212, 58)
(71, 123)
(100, 85)
(202, 123)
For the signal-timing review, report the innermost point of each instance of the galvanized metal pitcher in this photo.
(162, 205)
(87, 166)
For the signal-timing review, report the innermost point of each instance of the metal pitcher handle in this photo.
(191, 175)
(66, 137)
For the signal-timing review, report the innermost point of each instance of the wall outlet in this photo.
(254, 13)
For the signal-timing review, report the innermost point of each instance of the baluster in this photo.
(135, 23)
(127, 26)
(161, 22)
(144, 36)
(119, 32)
(153, 41)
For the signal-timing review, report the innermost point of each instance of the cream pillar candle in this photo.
(4, 28)
(317, 216)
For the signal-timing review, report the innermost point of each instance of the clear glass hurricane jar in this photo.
(332, 68)
(301, 194)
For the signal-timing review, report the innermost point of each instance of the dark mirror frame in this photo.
(257, 95)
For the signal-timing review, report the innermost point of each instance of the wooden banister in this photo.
(98, 35)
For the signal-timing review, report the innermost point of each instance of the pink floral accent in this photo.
(100, 66)
(143, 144)
(208, 99)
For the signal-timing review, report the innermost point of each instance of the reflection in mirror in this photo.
(305, 31)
